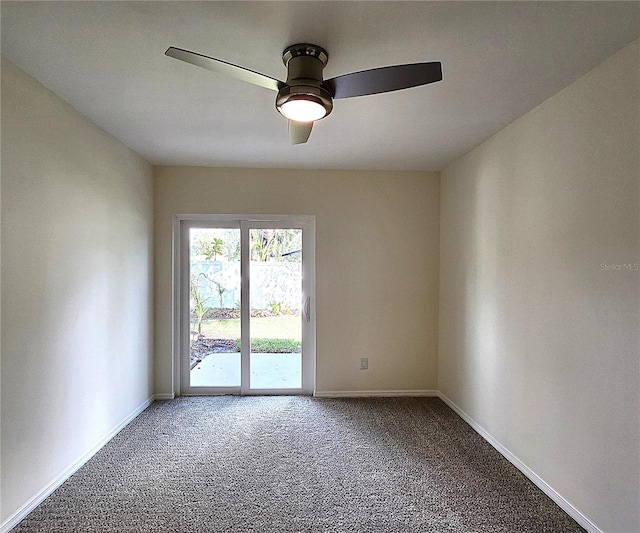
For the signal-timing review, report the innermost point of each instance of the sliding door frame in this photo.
(180, 307)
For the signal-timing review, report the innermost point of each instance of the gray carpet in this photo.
(298, 464)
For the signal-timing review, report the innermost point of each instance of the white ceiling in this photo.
(500, 59)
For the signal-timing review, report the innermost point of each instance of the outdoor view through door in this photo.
(248, 307)
(214, 307)
(276, 297)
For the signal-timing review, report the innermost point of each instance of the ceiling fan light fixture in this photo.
(302, 109)
(304, 104)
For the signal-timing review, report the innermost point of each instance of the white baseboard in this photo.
(374, 393)
(163, 397)
(564, 504)
(21, 513)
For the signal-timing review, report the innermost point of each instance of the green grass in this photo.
(271, 334)
(274, 346)
(270, 327)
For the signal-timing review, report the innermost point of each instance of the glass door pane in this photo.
(275, 308)
(214, 307)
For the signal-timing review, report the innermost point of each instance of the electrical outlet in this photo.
(364, 363)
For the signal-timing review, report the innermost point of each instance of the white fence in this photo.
(271, 283)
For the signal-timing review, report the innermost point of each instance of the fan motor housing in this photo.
(305, 63)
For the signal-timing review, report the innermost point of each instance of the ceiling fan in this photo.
(306, 97)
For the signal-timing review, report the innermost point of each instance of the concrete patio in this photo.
(268, 371)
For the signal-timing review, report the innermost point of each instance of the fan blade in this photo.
(385, 79)
(299, 131)
(222, 67)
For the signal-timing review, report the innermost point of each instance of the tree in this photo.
(276, 244)
(221, 290)
(210, 247)
(199, 305)
(264, 244)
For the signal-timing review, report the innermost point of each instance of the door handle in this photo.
(307, 308)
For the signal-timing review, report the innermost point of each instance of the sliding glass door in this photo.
(246, 293)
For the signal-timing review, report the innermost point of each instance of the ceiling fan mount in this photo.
(306, 96)
(305, 50)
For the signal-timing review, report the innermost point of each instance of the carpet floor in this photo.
(298, 464)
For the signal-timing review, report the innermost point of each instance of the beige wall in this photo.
(376, 264)
(76, 286)
(539, 342)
